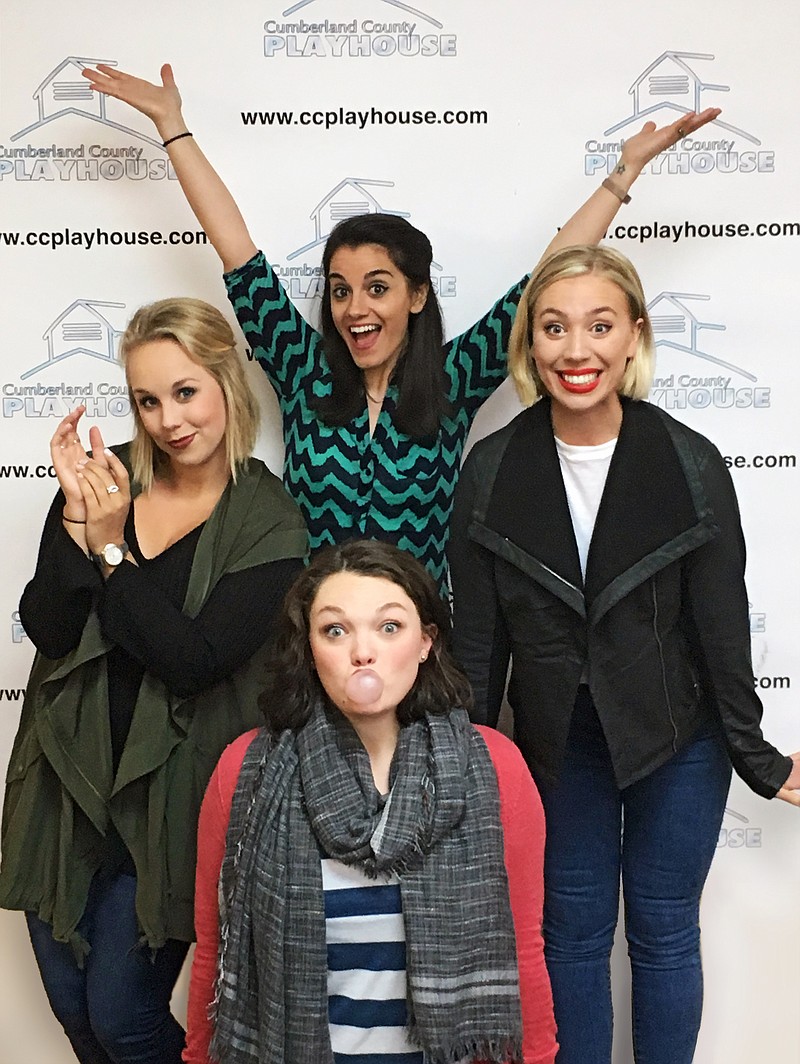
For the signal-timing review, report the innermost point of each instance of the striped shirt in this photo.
(347, 482)
(365, 937)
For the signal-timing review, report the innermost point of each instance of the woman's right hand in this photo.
(161, 103)
(213, 205)
(790, 791)
(66, 450)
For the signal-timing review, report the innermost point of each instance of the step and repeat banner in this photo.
(486, 125)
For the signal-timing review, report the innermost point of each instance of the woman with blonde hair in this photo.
(160, 569)
(596, 543)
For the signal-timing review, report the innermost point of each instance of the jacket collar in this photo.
(652, 512)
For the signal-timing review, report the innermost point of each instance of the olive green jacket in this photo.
(61, 794)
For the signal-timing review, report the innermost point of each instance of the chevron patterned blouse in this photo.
(347, 482)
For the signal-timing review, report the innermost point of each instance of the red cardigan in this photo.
(523, 827)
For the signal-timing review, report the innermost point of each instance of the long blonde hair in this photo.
(207, 338)
(577, 262)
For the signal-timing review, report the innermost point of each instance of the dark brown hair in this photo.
(293, 687)
(419, 373)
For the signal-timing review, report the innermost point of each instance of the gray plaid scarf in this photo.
(440, 831)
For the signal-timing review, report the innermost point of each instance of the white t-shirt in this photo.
(584, 470)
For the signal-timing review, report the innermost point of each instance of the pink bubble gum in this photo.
(363, 687)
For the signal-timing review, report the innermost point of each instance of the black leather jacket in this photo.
(661, 619)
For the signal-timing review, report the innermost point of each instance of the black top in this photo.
(140, 612)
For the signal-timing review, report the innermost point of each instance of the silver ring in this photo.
(112, 488)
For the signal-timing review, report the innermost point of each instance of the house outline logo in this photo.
(57, 99)
(743, 836)
(302, 4)
(349, 198)
(682, 80)
(87, 332)
(345, 208)
(678, 323)
(736, 816)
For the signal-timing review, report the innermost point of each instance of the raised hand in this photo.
(213, 205)
(650, 141)
(66, 451)
(161, 103)
(105, 490)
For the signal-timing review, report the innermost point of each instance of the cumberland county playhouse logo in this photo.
(669, 87)
(79, 365)
(302, 273)
(691, 373)
(394, 28)
(77, 134)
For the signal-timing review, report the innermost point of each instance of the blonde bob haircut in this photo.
(207, 338)
(578, 262)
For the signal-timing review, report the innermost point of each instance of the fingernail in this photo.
(81, 464)
(107, 450)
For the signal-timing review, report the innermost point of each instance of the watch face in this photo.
(113, 554)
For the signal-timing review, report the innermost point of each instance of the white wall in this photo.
(554, 81)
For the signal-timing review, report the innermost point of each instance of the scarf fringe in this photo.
(487, 1050)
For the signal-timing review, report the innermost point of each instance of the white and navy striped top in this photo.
(365, 935)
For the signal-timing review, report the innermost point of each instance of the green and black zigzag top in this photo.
(347, 483)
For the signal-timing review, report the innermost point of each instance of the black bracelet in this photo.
(177, 136)
(72, 520)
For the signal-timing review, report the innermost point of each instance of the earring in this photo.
(423, 657)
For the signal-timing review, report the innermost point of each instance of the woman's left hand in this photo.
(638, 150)
(790, 791)
(107, 495)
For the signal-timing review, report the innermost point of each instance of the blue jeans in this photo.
(114, 1010)
(659, 834)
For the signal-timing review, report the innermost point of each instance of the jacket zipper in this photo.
(664, 684)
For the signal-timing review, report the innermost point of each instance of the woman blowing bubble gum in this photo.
(369, 879)
(376, 408)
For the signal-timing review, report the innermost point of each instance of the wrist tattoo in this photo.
(620, 169)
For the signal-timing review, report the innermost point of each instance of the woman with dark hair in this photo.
(160, 571)
(596, 544)
(369, 875)
(376, 409)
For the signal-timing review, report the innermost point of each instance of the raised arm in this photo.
(591, 220)
(213, 205)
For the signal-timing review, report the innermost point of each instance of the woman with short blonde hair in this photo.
(578, 262)
(596, 545)
(164, 562)
(204, 333)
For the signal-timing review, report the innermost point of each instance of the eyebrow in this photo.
(177, 384)
(370, 273)
(595, 310)
(381, 609)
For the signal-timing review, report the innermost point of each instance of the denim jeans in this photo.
(659, 834)
(114, 1010)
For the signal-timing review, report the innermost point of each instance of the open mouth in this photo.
(364, 336)
(579, 383)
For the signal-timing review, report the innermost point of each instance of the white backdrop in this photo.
(83, 186)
